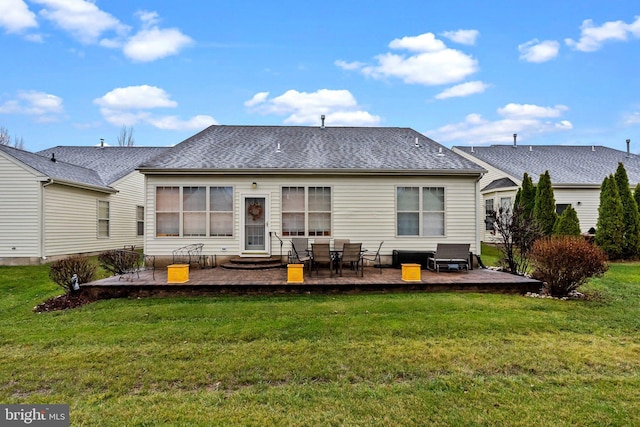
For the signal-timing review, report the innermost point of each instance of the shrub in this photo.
(610, 225)
(118, 261)
(564, 263)
(544, 209)
(568, 223)
(62, 271)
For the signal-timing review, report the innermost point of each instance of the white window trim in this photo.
(420, 211)
(99, 219)
(306, 210)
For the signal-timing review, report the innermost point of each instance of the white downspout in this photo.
(42, 230)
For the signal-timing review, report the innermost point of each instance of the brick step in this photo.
(255, 263)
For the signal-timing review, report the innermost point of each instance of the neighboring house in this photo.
(70, 200)
(242, 190)
(576, 175)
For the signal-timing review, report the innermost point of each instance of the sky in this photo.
(464, 73)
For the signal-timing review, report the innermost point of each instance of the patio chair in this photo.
(352, 254)
(338, 244)
(374, 257)
(322, 241)
(299, 254)
(450, 256)
(321, 254)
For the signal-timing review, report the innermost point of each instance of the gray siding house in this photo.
(247, 190)
(576, 175)
(70, 200)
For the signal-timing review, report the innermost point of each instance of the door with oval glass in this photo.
(255, 225)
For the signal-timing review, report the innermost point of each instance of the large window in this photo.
(140, 220)
(221, 211)
(103, 219)
(306, 211)
(420, 211)
(194, 211)
(489, 218)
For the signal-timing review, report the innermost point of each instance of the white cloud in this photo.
(592, 37)
(15, 16)
(349, 66)
(81, 18)
(531, 111)
(339, 107)
(431, 62)
(136, 97)
(44, 106)
(523, 119)
(258, 98)
(175, 123)
(130, 106)
(467, 37)
(537, 51)
(464, 89)
(152, 43)
(632, 119)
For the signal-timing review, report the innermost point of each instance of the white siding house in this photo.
(242, 190)
(69, 200)
(576, 174)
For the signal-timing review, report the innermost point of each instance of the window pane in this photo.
(103, 228)
(222, 224)
(293, 224)
(194, 199)
(319, 224)
(505, 203)
(433, 199)
(140, 213)
(433, 224)
(103, 210)
(168, 224)
(194, 224)
(293, 199)
(408, 224)
(168, 199)
(221, 199)
(319, 199)
(408, 199)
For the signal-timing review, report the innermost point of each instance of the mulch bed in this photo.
(63, 302)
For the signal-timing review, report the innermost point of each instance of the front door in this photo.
(255, 241)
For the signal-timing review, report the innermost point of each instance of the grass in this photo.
(374, 359)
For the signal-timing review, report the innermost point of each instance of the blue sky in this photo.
(461, 72)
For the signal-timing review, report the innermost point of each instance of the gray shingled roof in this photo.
(500, 183)
(58, 170)
(310, 148)
(584, 165)
(111, 163)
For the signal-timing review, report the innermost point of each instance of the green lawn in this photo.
(365, 360)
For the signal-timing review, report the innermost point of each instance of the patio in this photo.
(274, 281)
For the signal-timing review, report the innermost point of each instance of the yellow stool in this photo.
(295, 273)
(177, 273)
(411, 273)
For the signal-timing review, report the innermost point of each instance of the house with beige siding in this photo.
(576, 174)
(248, 190)
(70, 200)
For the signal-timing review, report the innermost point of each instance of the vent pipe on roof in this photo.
(628, 148)
(417, 144)
(322, 118)
(515, 138)
(440, 153)
(593, 148)
(530, 148)
(472, 149)
(101, 142)
(53, 157)
(278, 148)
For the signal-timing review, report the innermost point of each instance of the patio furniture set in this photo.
(344, 252)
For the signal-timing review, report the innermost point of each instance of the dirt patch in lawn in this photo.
(63, 302)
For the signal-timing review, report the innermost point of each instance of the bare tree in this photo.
(5, 139)
(517, 234)
(125, 138)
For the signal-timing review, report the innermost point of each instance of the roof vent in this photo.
(278, 148)
(515, 138)
(472, 149)
(530, 148)
(417, 143)
(322, 119)
(53, 157)
(593, 148)
(440, 153)
(101, 142)
(628, 148)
